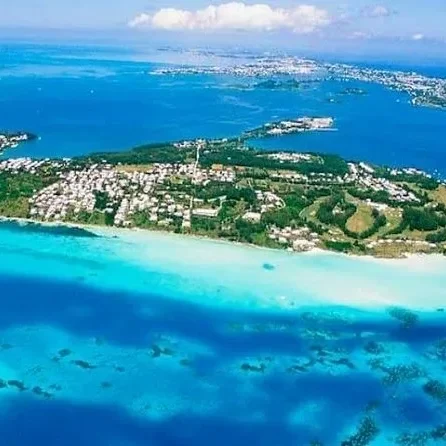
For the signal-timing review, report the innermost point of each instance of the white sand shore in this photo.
(223, 273)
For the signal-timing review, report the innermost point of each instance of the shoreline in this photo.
(116, 232)
(197, 269)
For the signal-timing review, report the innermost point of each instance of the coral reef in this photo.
(18, 384)
(158, 351)
(366, 433)
(439, 433)
(343, 361)
(436, 389)
(83, 364)
(402, 373)
(417, 439)
(64, 352)
(374, 348)
(40, 392)
(407, 318)
(253, 368)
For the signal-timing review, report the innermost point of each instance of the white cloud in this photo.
(418, 36)
(236, 16)
(379, 11)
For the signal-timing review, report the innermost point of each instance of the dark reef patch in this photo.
(17, 384)
(367, 431)
(268, 267)
(38, 228)
(407, 318)
(83, 364)
(253, 368)
(158, 351)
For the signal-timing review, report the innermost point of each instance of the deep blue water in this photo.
(81, 100)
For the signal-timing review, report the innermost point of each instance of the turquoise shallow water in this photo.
(142, 338)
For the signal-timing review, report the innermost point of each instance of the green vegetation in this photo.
(147, 154)
(248, 157)
(336, 211)
(17, 189)
(437, 237)
(339, 246)
(280, 202)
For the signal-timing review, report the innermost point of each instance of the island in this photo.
(299, 125)
(425, 91)
(225, 189)
(12, 140)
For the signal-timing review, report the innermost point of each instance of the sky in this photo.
(408, 24)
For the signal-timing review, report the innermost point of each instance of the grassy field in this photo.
(310, 212)
(396, 250)
(439, 194)
(361, 220)
(130, 168)
(394, 217)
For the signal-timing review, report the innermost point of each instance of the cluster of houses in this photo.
(304, 124)
(125, 192)
(362, 174)
(264, 67)
(322, 179)
(299, 239)
(267, 201)
(197, 175)
(409, 171)
(290, 157)
(192, 144)
(424, 90)
(17, 165)
(162, 207)
(198, 143)
(12, 140)
(75, 192)
(217, 174)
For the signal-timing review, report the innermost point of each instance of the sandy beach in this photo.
(223, 273)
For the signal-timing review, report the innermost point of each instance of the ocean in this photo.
(141, 338)
(81, 100)
(130, 338)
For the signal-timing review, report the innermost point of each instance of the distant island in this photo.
(423, 90)
(10, 140)
(225, 189)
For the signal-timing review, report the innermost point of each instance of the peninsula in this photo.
(225, 189)
(12, 140)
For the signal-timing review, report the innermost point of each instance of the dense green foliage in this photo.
(281, 218)
(335, 211)
(154, 153)
(437, 237)
(102, 199)
(245, 194)
(375, 196)
(16, 189)
(250, 158)
(339, 246)
(422, 219)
